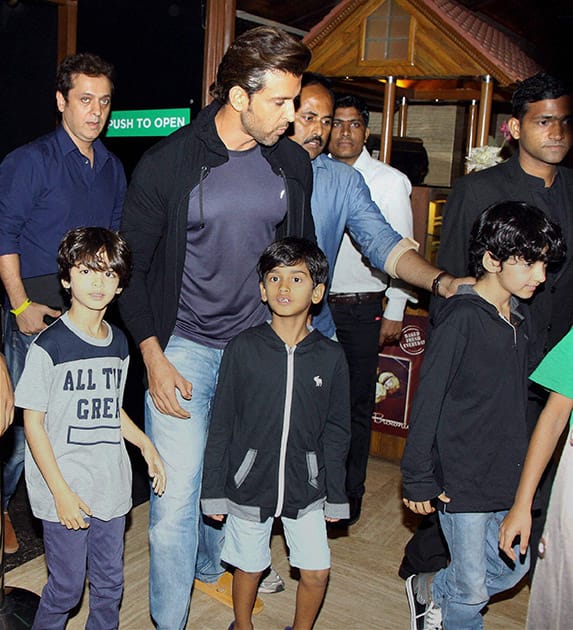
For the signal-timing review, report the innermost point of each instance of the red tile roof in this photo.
(494, 44)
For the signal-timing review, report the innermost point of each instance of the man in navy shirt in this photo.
(63, 180)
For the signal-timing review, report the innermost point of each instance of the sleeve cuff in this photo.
(336, 510)
(214, 506)
(401, 247)
(395, 309)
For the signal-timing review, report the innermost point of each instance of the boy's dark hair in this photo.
(314, 78)
(82, 63)
(290, 251)
(349, 100)
(255, 52)
(86, 245)
(514, 228)
(539, 87)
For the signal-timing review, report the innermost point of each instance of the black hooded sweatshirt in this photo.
(468, 435)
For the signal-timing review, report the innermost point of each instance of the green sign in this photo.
(146, 122)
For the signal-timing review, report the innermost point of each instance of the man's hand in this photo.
(424, 507)
(164, 380)
(31, 321)
(449, 285)
(516, 523)
(416, 270)
(390, 331)
(6, 397)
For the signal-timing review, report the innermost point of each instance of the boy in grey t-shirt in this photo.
(78, 472)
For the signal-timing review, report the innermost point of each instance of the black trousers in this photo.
(358, 330)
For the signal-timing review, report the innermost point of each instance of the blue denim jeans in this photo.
(181, 544)
(13, 443)
(477, 570)
(97, 550)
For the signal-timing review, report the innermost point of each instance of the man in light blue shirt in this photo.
(341, 200)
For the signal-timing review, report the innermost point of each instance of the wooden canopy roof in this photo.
(445, 41)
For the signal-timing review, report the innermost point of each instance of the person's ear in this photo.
(66, 284)
(118, 290)
(514, 127)
(490, 264)
(318, 293)
(60, 101)
(263, 292)
(238, 98)
(366, 135)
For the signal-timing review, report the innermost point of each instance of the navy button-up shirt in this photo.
(48, 187)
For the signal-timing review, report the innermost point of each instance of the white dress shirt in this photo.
(390, 190)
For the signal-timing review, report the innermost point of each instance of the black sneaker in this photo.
(424, 614)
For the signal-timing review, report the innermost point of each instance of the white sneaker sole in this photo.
(411, 602)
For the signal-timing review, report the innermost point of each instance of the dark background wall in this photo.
(157, 49)
(155, 45)
(27, 68)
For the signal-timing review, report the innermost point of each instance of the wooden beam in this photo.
(67, 28)
(403, 117)
(387, 120)
(219, 33)
(472, 126)
(454, 91)
(484, 115)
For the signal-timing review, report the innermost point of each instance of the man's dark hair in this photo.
(349, 100)
(254, 53)
(539, 87)
(290, 251)
(98, 249)
(82, 63)
(314, 78)
(514, 228)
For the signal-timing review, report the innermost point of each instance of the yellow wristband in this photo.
(21, 308)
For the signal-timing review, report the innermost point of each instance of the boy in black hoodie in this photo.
(468, 434)
(279, 435)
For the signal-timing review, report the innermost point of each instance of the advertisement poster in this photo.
(398, 375)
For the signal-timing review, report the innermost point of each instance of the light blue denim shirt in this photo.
(341, 199)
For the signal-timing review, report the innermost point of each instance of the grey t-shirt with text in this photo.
(78, 381)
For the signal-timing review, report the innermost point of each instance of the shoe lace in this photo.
(433, 618)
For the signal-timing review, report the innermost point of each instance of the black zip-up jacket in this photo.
(552, 305)
(154, 220)
(468, 435)
(280, 428)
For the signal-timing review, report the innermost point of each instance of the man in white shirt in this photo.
(357, 289)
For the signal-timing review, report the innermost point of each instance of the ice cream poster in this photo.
(397, 378)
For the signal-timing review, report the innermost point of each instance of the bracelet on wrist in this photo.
(21, 308)
(436, 283)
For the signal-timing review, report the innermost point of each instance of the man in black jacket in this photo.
(541, 124)
(202, 205)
